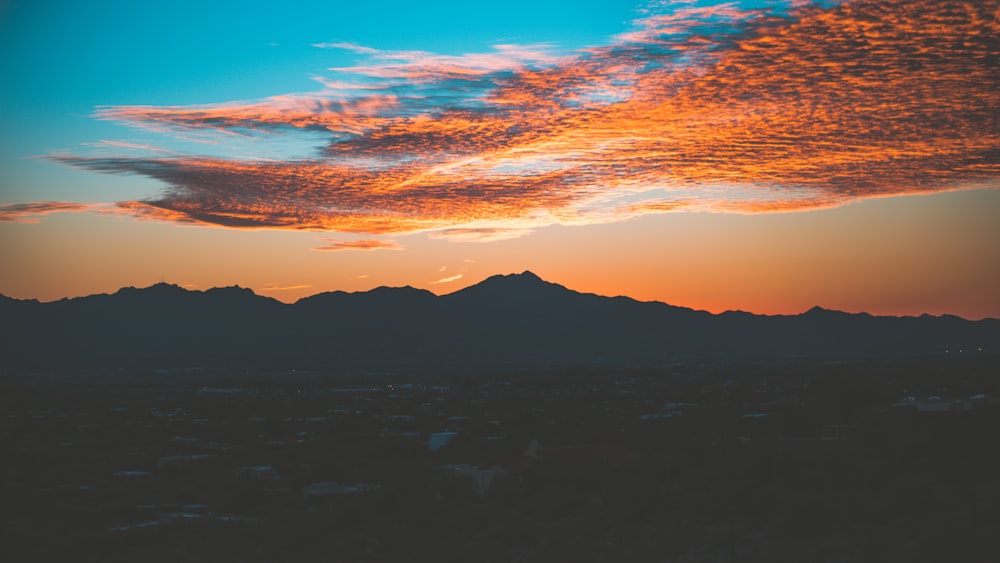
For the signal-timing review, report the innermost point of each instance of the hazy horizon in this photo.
(450, 291)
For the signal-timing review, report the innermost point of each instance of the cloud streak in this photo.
(335, 245)
(480, 234)
(30, 212)
(276, 287)
(719, 108)
(448, 279)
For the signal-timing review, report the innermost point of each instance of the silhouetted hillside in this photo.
(505, 322)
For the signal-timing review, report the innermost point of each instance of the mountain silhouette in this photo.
(504, 322)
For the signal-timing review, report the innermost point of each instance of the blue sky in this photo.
(71, 57)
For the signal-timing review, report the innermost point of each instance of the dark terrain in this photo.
(503, 323)
(866, 460)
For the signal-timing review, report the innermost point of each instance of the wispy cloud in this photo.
(114, 145)
(423, 66)
(480, 234)
(448, 279)
(723, 108)
(347, 46)
(654, 207)
(278, 287)
(31, 212)
(333, 245)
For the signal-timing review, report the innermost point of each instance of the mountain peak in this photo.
(406, 290)
(526, 285)
(817, 310)
(231, 289)
(527, 275)
(159, 288)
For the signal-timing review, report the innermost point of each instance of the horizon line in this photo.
(260, 292)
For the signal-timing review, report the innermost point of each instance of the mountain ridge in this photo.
(815, 309)
(511, 321)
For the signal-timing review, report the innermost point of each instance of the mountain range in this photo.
(516, 321)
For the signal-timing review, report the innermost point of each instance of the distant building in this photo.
(611, 455)
(437, 441)
(481, 479)
(174, 461)
(256, 473)
(834, 432)
(131, 475)
(329, 496)
(937, 404)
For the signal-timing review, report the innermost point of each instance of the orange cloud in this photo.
(30, 212)
(480, 234)
(714, 108)
(357, 245)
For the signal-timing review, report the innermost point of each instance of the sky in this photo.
(756, 155)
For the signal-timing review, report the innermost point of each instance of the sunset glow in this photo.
(710, 111)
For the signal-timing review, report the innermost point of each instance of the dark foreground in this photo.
(793, 462)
